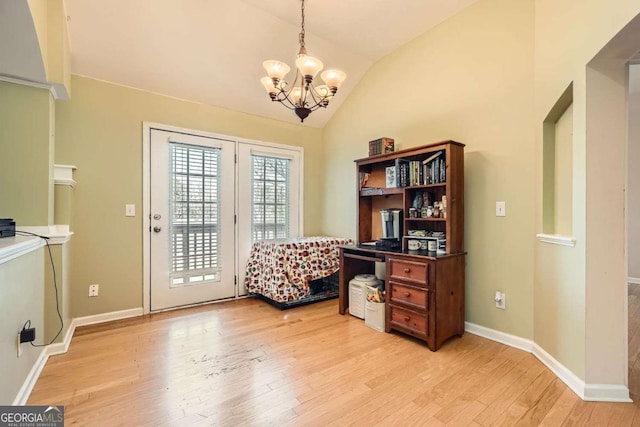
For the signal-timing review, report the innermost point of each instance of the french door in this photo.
(207, 200)
(269, 197)
(192, 219)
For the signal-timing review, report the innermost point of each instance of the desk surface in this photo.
(371, 249)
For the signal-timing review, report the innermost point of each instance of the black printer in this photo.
(7, 227)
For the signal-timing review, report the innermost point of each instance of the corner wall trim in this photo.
(63, 175)
(556, 239)
(60, 348)
(569, 378)
(588, 392)
(606, 393)
(20, 245)
(57, 234)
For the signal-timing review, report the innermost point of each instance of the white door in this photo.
(192, 208)
(269, 193)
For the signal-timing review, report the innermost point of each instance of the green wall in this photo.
(22, 299)
(58, 288)
(25, 164)
(486, 77)
(469, 79)
(100, 131)
(580, 295)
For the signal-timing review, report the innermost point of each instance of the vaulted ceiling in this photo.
(211, 51)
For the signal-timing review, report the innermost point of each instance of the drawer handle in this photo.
(407, 294)
(407, 270)
(407, 318)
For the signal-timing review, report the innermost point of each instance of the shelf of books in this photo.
(426, 182)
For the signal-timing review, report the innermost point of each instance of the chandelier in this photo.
(302, 96)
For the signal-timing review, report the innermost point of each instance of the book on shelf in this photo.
(402, 172)
(434, 169)
(432, 157)
(380, 146)
(364, 177)
(371, 191)
(391, 177)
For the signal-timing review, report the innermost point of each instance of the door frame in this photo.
(146, 198)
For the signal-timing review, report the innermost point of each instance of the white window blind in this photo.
(194, 212)
(270, 197)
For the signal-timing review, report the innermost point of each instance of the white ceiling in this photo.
(211, 51)
(19, 49)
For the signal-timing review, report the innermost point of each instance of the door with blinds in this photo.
(269, 191)
(192, 207)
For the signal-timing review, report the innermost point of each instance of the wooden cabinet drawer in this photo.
(408, 270)
(408, 319)
(410, 295)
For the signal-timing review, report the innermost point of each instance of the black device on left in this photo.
(7, 227)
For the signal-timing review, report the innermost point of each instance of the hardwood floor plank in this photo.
(409, 414)
(560, 409)
(543, 404)
(247, 363)
(526, 400)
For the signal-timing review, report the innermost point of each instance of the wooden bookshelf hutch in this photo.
(424, 289)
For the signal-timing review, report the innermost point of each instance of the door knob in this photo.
(157, 229)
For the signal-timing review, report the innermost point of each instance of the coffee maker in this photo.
(391, 230)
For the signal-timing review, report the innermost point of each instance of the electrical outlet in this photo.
(93, 290)
(500, 300)
(501, 209)
(19, 345)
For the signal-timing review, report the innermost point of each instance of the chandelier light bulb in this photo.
(276, 69)
(333, 78)
(309, 66)
(296, 94)
(323, 91)
(324, 94)
(267, 82)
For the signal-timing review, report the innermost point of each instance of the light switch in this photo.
(129, 210)
(501, 209)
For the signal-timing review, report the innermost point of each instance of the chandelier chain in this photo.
(303, 49)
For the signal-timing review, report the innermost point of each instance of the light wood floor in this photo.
(246, 363)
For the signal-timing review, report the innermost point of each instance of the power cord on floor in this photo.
(55, 285)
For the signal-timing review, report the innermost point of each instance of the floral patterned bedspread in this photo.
(281, 269)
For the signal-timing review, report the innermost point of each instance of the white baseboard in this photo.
(569, 378)
(606, 393)
(106, 317)
(501, 337)
(588, 392)
(633, 280)
(32, 378)
(59, 348)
